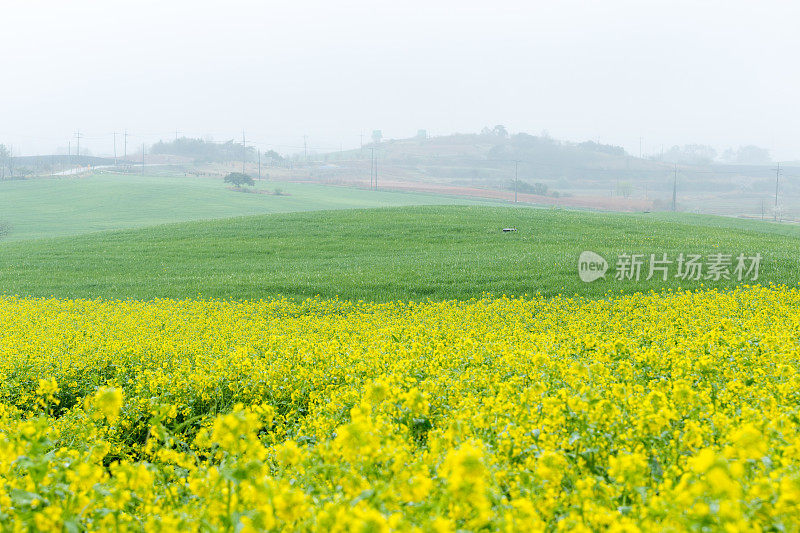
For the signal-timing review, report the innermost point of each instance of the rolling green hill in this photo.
(382, 254)
(71, 206)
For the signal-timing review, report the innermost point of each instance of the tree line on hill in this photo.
(203, 151)
(700, 154)
(545, 148)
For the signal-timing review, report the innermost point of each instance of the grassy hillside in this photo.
(71, 206)
(380, 254)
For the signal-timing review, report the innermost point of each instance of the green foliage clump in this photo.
(238, 179)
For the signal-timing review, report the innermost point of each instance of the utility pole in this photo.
(244, 151)
(115, 148)
(125, 136)
(69, 154)
(674, 186)
(305, 147)
(361, 141)
(78, 148)
(762, 209)
(777, 177)
(176, 135)
(142, 158)
(259, 163)
(516, 179)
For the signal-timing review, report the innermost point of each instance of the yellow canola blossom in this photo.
(677, 411)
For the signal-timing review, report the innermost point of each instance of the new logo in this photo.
(591, 266)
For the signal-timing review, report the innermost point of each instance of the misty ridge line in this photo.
(492, 164)
(206, 145)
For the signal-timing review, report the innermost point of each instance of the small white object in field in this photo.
(509, 229)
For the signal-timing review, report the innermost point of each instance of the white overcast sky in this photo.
(724, 73)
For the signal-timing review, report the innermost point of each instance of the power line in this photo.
(371, 165)
(115, 148)
(674, 187)
(777, 178)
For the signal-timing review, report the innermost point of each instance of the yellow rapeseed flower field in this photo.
(674, 411)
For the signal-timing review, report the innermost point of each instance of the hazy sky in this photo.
(724, 73)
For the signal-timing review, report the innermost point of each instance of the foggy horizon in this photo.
(668, 73)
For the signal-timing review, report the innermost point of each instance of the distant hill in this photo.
(485, 155)
(578, 173)
(202, 151)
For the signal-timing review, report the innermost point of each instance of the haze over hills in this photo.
(578, 174)
(493, 164)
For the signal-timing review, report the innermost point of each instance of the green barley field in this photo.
(38, 208)
(384, 253)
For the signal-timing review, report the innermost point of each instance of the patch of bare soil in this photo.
(592, 202)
